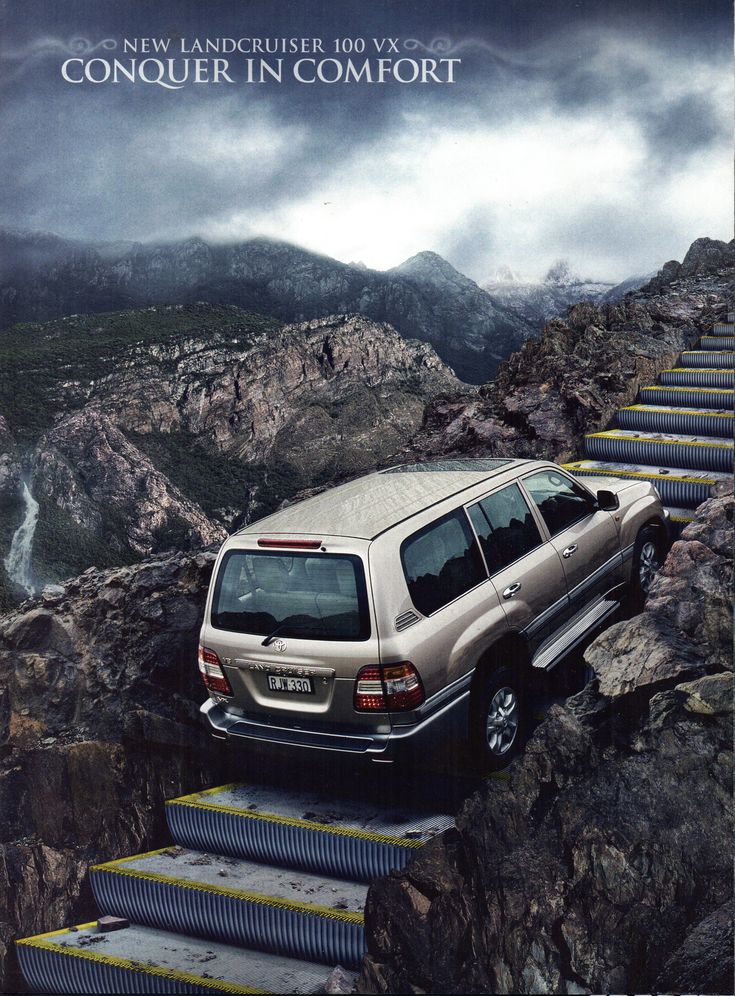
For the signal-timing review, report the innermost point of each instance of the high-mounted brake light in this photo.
(390, 688)
(293, 544)
(212, 674)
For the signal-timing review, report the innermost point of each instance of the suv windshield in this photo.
(311, 596)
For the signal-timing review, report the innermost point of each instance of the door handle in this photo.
(512, 589)
(569, 551)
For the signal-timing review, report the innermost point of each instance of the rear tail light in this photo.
(390, 688)
(212, 674)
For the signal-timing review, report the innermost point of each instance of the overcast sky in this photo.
(596, 131)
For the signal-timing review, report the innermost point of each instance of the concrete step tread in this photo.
(680, 514)
(165, 956)
(670, 409)
(309, 810)
(246, 880)
(648, 472)
(664, 438)
(683, 388)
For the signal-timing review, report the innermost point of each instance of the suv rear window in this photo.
(309, 596)
(441, 562)
(506, 527)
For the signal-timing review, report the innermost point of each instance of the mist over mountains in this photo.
(43, 277)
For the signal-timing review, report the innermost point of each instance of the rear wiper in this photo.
(271, 636)
(315, 625)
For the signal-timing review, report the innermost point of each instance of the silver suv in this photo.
(418, 602)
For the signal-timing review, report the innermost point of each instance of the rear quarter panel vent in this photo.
(406, 619)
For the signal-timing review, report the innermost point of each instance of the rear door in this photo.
(524, 566)
(292, 628)
(585, 538)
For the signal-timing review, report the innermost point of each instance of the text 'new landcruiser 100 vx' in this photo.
(418, 601)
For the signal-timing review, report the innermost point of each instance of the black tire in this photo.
(649, 554)
(499, 694)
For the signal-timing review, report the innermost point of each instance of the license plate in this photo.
(281, 683)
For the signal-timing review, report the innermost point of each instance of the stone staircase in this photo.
(263, 891)
(679, 433)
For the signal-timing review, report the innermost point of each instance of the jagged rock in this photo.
(583, 367)
(611, 841)
(703, 963)
(87, 467)
(206, 418)
(98, 725)
(687, 621)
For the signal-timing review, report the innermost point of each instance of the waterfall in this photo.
(18, 561)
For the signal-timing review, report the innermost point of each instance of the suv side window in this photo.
(560, 501)
(506, 527)
(441, 562)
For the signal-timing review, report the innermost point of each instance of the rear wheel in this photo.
(498, 718)
(648, 556)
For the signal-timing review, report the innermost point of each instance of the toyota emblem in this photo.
(279, 645)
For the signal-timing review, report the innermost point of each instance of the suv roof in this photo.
(369, 505)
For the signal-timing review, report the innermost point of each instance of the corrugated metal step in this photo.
(689, 377)
(677, 486)
(725, 328)
(301, 830)
(141, 959)
(695, 397)
(717, 341)
(681, 516)
(237, 902)
(669, 419)
(716, 359)
(692, 452)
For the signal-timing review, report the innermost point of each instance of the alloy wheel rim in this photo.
(648, 565)
(502, 721)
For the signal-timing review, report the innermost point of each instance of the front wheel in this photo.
(648, 557)
(498, 718)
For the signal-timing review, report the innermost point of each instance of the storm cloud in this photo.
(573, 131)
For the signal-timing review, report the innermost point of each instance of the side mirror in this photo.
(607, 501)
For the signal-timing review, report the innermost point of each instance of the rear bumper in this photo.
(450, 721)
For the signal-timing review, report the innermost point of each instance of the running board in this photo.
(548, 657)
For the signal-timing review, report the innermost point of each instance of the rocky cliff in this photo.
(44, 277)
(146, 430)
(604, 863)
(98, 725)
(586, 365)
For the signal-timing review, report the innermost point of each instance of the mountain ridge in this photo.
(43, 277)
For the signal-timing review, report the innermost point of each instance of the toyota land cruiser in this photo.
(416, 602)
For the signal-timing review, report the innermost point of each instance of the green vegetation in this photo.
(62, 548)
(214, 480)
(47, 369)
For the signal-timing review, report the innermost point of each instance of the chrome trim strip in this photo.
(592, 579)
(543, 618)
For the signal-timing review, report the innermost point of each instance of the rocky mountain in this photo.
(538, 302)
(44, 277)
(146, 430)
(586, 365)
(604, 863)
